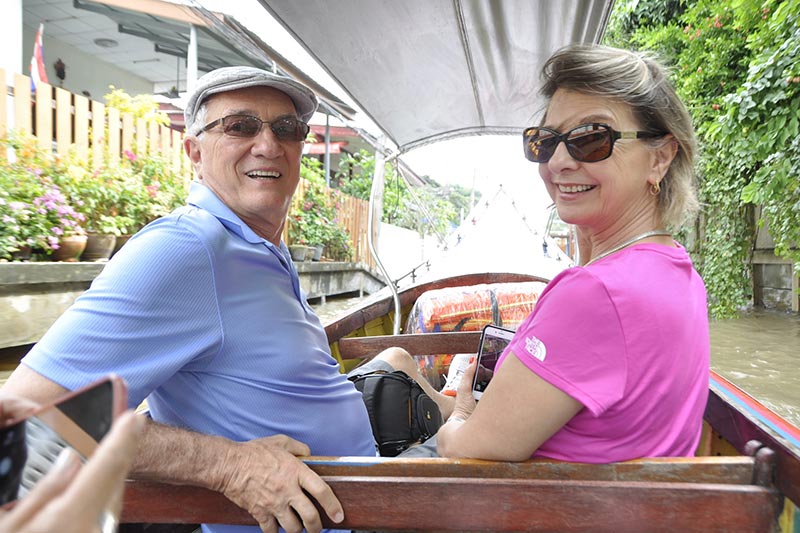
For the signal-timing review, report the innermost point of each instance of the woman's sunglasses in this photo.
(588, 143)
(245, 126)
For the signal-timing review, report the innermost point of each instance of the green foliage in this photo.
(313, 219)
(736, 67)
(355, 174)
(121, 197)
(427, 210)
(460, 197)
(140, 106)
(630, 15)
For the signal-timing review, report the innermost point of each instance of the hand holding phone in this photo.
(494, 341)
(30, 445)
(73, 498)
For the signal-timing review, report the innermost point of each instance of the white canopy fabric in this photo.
(429, 70)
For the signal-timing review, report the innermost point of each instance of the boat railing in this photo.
(438, 494)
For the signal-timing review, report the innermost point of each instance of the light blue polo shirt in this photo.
(207, 321)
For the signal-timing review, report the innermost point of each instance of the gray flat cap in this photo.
(231, 78)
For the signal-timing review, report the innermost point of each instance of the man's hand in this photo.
(267, 479)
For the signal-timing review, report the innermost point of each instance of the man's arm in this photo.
(262, 476)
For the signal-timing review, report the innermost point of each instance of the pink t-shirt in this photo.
(628, 338)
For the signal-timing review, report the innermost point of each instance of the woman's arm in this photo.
(516, 414)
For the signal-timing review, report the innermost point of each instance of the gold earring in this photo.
(655, 188)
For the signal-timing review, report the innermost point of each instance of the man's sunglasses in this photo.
(588, 143)
(245, 126)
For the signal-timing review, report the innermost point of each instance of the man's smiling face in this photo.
(257, 176)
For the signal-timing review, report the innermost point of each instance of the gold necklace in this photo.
(646, 234)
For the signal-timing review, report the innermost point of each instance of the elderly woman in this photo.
(613, 362)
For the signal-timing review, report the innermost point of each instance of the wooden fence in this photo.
(62, 121)
(353, 216)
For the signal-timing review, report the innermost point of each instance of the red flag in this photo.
(38, 72)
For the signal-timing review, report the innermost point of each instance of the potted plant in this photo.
(120, 198)
(338, 247)
(152, 190)
(36, 214)
(67, 238)
(316, 233)
(95, 195)
(298, 245)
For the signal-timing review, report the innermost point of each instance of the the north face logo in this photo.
(535, 348)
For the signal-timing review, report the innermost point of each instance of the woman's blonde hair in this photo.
(638, 80)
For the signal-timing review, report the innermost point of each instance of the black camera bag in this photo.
(400, 412)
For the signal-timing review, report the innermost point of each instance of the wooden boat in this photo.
(746, 476)
(426, 71)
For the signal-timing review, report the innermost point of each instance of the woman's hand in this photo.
(14, 408)
(72, 497)
(465, 401)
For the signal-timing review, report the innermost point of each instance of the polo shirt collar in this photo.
(204, 198)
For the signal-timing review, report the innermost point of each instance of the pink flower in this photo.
(130, 155)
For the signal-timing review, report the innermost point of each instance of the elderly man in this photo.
(203, 315)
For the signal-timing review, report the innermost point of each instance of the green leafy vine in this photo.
(736, 67)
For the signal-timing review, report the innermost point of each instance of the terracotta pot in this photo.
(70, 248)
(98, 247)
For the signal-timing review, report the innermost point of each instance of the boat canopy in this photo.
(430, 70)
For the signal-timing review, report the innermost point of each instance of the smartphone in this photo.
(494, 340)
(30, 446)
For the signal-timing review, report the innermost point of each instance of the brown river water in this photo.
(759, 352)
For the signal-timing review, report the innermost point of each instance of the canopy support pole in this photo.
(191, 60)
(373, 225)
(327, 161)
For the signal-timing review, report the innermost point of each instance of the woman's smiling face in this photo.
(606, 195)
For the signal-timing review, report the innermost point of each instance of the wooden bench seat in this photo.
(415, 344)
(686, 494)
